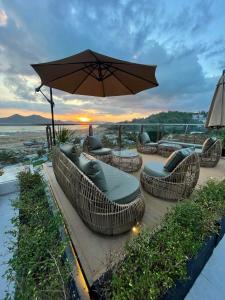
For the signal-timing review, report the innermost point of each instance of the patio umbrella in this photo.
(94, 74)
(216, 114)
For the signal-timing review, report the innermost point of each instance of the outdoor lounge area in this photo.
(95, 251)
(112, 150)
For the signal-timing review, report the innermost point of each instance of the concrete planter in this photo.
(221, 233)
(194, 268)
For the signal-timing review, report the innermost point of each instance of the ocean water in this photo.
(8, 130)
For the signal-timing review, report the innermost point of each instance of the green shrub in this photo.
(63, 135)
(8, 156)
(153, 262)
(41, 152)
(37, 266)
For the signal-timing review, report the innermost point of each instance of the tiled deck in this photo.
(95, 250)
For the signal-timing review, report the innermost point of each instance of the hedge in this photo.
(155, 261)
(38, 267)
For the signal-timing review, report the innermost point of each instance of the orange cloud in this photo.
(77, 117)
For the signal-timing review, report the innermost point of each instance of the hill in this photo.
(27, 120)
(173, 117)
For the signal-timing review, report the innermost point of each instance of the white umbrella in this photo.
(216, 114)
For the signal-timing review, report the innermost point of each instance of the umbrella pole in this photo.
(52, 112)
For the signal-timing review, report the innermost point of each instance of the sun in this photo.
(84, 119)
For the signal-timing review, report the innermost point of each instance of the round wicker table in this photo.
(126, 160)
(165, 149)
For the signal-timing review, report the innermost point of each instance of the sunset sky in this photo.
(185, 39)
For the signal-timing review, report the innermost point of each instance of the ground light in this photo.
(136, 229)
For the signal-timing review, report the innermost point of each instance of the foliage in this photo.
(64, 135)
(37, 266)
(173, 117)
(153, 262)
(106, 142)
(1, 172)
(8, 156)
(222, 137)
(41, 152)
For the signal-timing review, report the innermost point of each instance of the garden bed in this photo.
(39, 266)
(164, 264)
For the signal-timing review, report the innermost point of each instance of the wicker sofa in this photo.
(93, 146)
(209, 153)
(144, 144)
(172, 182)
(109, 212)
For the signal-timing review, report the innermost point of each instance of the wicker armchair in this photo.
(210, 157)
(91, 204)
(146, 148)
(105, 157)
(177, 184)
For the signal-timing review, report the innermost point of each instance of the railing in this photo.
(159, 128)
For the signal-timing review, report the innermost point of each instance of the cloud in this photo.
(3, 18)
(185, 40)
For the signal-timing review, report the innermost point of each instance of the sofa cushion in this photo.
(184, 145)
(208, 143)
(122, 188)
(171, 146)
(92, 168)
(101, 151)
(94, 142)
(198, 151)
(144, 138)
(176, 157)
(151, 144)
(155, 169)
(71, 151)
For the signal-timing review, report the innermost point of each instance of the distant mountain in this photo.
(173, 117)
(28, 120)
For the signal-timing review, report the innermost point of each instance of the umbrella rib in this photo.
(119, 80)
(137, 76)
(67, 74)
(82, 81)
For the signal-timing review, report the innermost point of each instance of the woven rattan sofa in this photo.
(209, 153)
(93, 146)
(109, 212)
(144, 144)
(172, 182)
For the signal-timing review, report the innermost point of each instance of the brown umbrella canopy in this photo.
(94, 74)
(216, 115)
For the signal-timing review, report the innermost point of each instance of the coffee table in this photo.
(126, 160)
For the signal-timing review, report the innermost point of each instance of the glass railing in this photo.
(26, 141)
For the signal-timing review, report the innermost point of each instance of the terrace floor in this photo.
(96, 251)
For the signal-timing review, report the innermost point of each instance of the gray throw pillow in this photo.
(71, 151)
(94, 142)
(144, 138)
(92, 168)
(176, 157)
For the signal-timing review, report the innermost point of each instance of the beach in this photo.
(13, 137)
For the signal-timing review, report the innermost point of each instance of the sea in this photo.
(9, 130)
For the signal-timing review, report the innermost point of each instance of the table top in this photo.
(125, 153)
